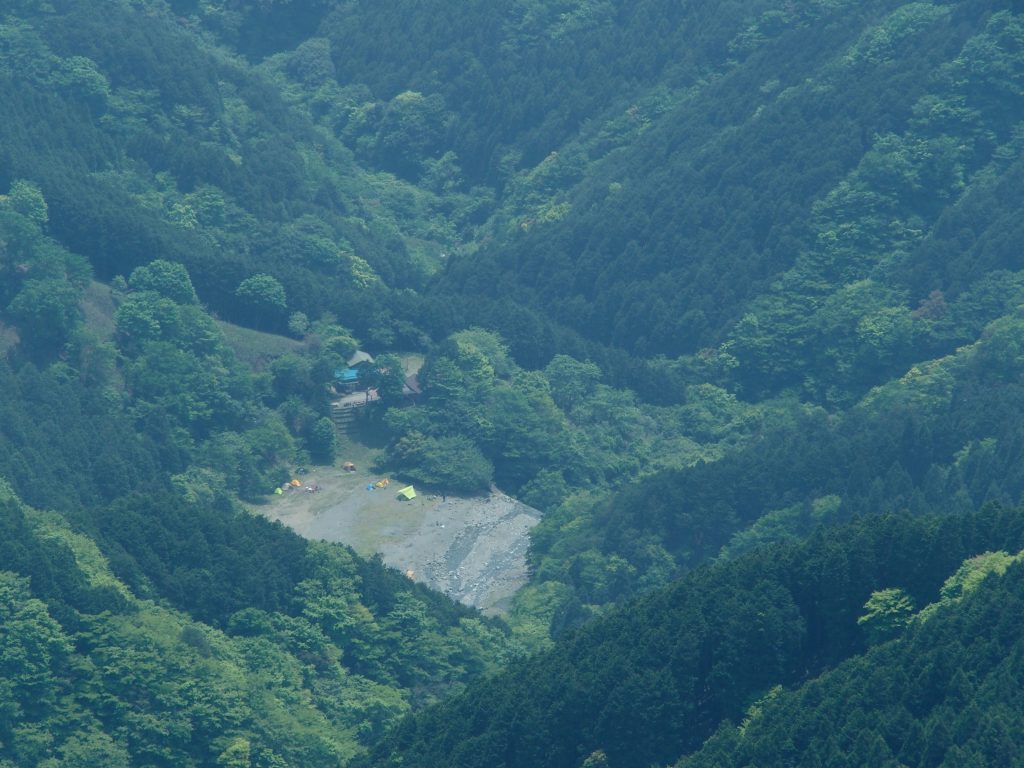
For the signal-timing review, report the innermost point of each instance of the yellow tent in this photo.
(408, 493)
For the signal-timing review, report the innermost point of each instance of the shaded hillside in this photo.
(789, 227)
(150, 143)
(654, 679)
(945, 436)
(515, 80)
(100, 672)
(147, 618)
(947, 692)
(869, 122)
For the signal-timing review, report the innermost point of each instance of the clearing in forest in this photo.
(472, 549)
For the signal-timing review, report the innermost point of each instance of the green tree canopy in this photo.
(262, 299)
(166, 278)
(888, 612)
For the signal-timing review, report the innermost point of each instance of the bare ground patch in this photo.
(472, 549)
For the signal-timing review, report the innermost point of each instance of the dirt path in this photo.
(473, 549)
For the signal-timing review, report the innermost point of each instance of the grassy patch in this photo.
(256, 348)
(98, 309)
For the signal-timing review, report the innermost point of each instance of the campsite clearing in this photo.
(472, 549)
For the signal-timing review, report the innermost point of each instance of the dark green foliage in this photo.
(141, 141)
(450, 463)
(655, 678)
(660, 251)
(947, 693)
(323, 441)
(42, 282)
(61, 447)
(520, 77)
(790, 228)
(193, 555)
(49, 564)
(943, 438)
(88, 634)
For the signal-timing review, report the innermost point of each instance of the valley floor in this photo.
(472, 549)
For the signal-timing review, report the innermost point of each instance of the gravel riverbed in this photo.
(471, 548)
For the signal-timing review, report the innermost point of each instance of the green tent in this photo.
(408, 493)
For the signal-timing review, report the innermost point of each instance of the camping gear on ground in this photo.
(348, 466)
(407, 494)
(383, 483)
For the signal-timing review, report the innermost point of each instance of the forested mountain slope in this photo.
(834, 151)
(148, 618)
(149, 143)
(946, 692)
(694, 279)
(653, 680)
(100, 672)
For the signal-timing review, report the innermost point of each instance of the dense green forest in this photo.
(653, 680)
(730, 292)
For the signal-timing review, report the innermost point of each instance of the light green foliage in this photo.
(489, 346)
(25, 54)
(89, 559)
(888, 612)
(757, 708)
(967, 578)
(262, 294)
(711, 413)
(298, 324)
(313, 242)
(442, 175)
(144, 318)
(199, 485)
(852, 248)
(165, 278)
(596, 759)
(179, 368)
(48, 310)
(41, 284)
(27, 199)
(533, 612)
(442, 462)
(975, 570)
(276, 690)
(238, 754)
(311, 62)
(32, 646)
(90, 749)
(927, 388)
(837, 297)
(410, 127)
(546, 490)
(571, 381)
(991, 62)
